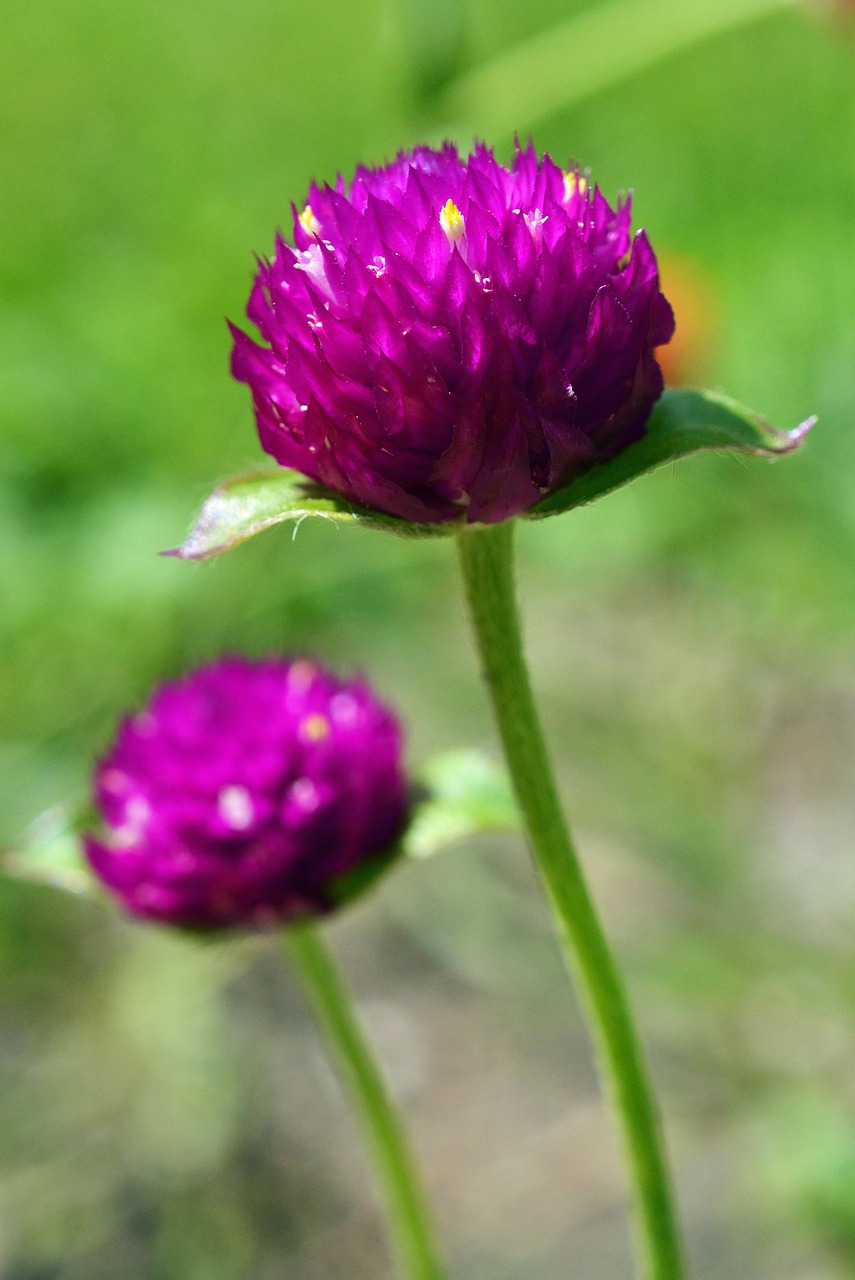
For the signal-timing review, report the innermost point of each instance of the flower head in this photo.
(451, 339)
(242, 793)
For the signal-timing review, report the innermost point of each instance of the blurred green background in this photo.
(165, 1110)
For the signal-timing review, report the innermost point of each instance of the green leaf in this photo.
(464, 794)
(51, 853)
(247, 505)
(682, 422)
(456, 795)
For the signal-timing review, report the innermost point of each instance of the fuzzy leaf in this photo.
(465, 794)
(682, 422)
(456, 795)
(247, 505)
(50, 853)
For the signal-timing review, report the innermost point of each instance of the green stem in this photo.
(407, 1216)
(595, 49)
(486, 559)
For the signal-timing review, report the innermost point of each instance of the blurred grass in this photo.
(163, 1110)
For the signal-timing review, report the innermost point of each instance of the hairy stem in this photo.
(407, 1217)
(486, 560)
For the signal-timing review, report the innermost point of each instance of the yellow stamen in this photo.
(451, 221)
(315, 728)
(574, 182)
(309, 222)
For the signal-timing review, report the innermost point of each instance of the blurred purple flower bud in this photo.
(450, 339)
(244, 792)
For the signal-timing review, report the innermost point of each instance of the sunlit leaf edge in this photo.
(683, 422)
(463, 793)
(50, 852)
(246, 505)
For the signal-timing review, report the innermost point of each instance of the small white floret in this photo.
(452, 222)
(234, 805)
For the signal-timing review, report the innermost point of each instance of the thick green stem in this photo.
(407, 1216)
(486, 559)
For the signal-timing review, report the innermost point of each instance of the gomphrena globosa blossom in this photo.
(451, 339)
(242, 793)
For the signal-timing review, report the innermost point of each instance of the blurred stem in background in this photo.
(407, 1216)
(599, 47)
(434, 37)
(486, 561)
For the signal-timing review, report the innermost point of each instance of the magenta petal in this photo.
(429, 368)
(243, 791)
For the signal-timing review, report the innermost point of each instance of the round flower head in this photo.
(242, 794)
(450, 339)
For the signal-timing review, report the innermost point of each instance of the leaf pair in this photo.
(683, 422)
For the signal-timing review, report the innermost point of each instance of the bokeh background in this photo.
(165, 1108)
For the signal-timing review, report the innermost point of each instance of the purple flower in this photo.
(450, 339)
(242, 794)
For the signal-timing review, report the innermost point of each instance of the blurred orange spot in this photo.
(684, 359)
(314, 728)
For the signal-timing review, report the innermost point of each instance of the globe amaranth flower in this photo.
(450, 339)
(242, 794)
